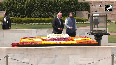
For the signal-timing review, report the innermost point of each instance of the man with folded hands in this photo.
(71, 26)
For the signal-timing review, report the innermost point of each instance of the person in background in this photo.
(96, 19)
(57, 24)
(71, 26)
(6, 22)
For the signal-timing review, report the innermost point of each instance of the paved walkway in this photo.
(87, 27)
(112, 33)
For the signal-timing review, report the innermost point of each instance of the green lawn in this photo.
(21, 26)
(112, 29)
(112, 38)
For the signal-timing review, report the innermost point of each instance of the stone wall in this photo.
(94, 6)
(1, 0)
(57, 56)
(7, 37)
(2, 13)
(82, 14)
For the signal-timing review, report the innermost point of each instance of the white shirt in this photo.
(59, 21)
(5, 19)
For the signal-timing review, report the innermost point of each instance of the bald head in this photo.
(59, 15)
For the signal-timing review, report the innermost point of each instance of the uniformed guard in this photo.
(6, 22)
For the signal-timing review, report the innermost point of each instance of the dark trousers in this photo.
(71, 34)
(5, 27)
(57, 32)
(96, 25)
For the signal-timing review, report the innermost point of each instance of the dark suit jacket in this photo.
(6, 25)
(56, 25)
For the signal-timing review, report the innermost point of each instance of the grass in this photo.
(21, 26)
(112, 39)
(112, 28)
(83, 25)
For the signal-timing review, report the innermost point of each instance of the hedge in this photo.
(42, 8)
(108, 21)
(39, 20)
(1, 7)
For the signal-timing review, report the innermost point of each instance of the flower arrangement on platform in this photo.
(59, 40)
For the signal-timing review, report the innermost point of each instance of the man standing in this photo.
(6, 22)
(96, 19)
(58, 24)
(71, 26)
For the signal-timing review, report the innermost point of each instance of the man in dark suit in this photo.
(6, 22)
(57, 24)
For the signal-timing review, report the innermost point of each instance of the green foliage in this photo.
(78, 19)
(108, 21)
(42, 8)
(1, 6)
(38, 20)
(1, 19)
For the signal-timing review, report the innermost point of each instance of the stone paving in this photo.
(112, 33)
(87, 27)
(71, 55)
